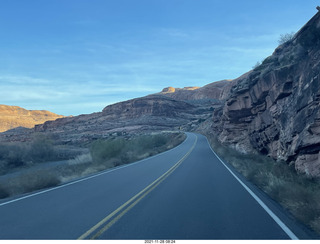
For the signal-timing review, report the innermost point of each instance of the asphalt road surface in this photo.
(184, 193)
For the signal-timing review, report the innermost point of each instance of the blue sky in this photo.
(77, 56)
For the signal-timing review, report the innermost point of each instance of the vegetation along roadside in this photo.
(297, 193)
(102, 154)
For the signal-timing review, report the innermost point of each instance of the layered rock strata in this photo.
(274, 109)
(146, 114)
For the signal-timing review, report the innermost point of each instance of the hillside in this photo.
(140, 115)
(14, 116)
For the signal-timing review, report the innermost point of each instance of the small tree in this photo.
(285, 38)
(256, 65)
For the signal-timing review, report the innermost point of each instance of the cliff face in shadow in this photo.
(275, 108)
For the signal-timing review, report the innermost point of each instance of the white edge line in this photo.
(90, 177)
(262, 204)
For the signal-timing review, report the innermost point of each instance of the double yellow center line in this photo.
(101, 227)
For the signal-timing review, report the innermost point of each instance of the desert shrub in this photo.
(41, 181)
(258, 63)
(3, 192)
(81, 159)
(13, 154)
(38, 180)
(147, 143)
(41, 149)
(285, 38)
(3, 166)
(29, 181)
(102, 150)
(15, 157)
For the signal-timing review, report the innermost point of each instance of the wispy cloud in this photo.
(22, 80)
(85, 97)
(173, 33)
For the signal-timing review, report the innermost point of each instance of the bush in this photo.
(3, 193)
(103, 150)
(285, 38)
(256, 65)
(81, 159)
(37, 180)
(41, 149)
(12, 154)
(28, 182)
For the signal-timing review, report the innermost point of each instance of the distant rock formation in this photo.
(140, 115)
(216, 90)
(13, 116)
(168, 90)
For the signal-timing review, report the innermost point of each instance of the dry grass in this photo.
(29, 181)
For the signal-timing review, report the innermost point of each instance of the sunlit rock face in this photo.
(218, 90)
(13, 116)
(274, 109)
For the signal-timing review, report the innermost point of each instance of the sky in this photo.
(75, 57)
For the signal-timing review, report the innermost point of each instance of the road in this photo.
(184, 193)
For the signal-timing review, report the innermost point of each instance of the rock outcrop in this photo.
(214, 91)
(146, 114)
(13, 116)
(274, 109)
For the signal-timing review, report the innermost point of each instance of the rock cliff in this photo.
(274, 109)
(14, 116)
